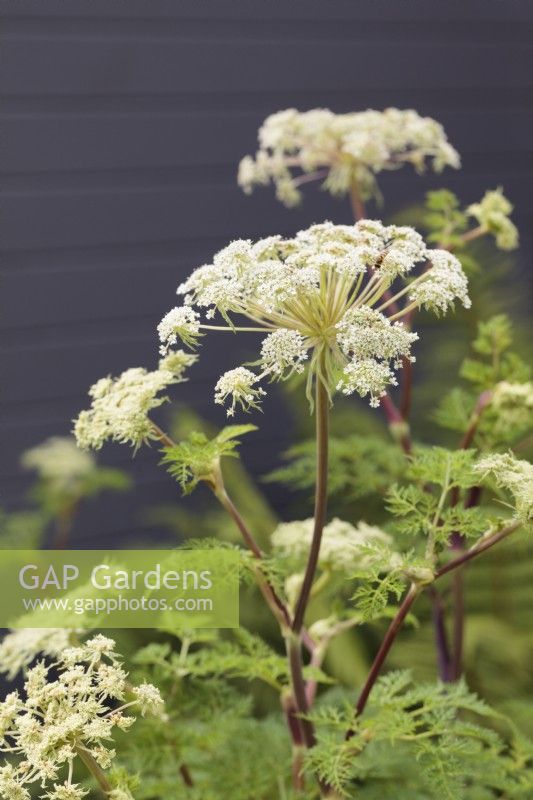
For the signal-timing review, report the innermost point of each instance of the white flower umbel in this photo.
(492, 213)
(367, 333)
(367, 377)
(71, 708)
(321, 298)
(59, 461)
(444, 283)
(182, 323)
(343, 150)
(283, 352)
(344, 547)
(512, 474)
(239, 385)
(513, 404)
(20, 647)
(120, 406)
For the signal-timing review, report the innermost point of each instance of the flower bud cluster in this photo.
(492, 213)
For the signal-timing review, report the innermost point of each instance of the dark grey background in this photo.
(122, 125)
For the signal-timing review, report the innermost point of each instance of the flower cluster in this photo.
(443, 284)
(238, 384)
(179, 322)
(514, 475)
(283, 353)
(371, 341)
(346, 150)
(120, 406)
(492, 213)
(59, 462)
(22, 646)
(65, 716)
(323, 298)
(344, 547)
(513, 404)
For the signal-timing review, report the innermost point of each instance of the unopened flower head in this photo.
(177, 362)
(148, 699)
(323, 298)
(120, 406)
(59, 461)
(343, 150)
(492, 212)
(512, 474)
(343, 548)
(75, 704)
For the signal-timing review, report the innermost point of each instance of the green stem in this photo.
(186, 776)
(64, 527)
(301, 731)
(294, 654)
(95, 770)
(383, 651)
(485, 543)
(358, 207)
(475, 233)
(294, 639)
(321, 501)
(458, 589)
(275, 603)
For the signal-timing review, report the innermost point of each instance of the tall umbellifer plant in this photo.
(346, 153)
(334, 305)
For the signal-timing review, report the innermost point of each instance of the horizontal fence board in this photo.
(195, 66)
(430, 100)
(67, 218)
(87, 143)
(317, 10)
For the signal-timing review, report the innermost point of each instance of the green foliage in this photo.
(496, 362)
(497, 423)
(374, 595)
(427, 507)
(210, 727)
(245, 655)
(21, 530)
(445, 751)
(360, 465)
(198, 458)
(213, 521)
(56, 499)
(444, 219)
